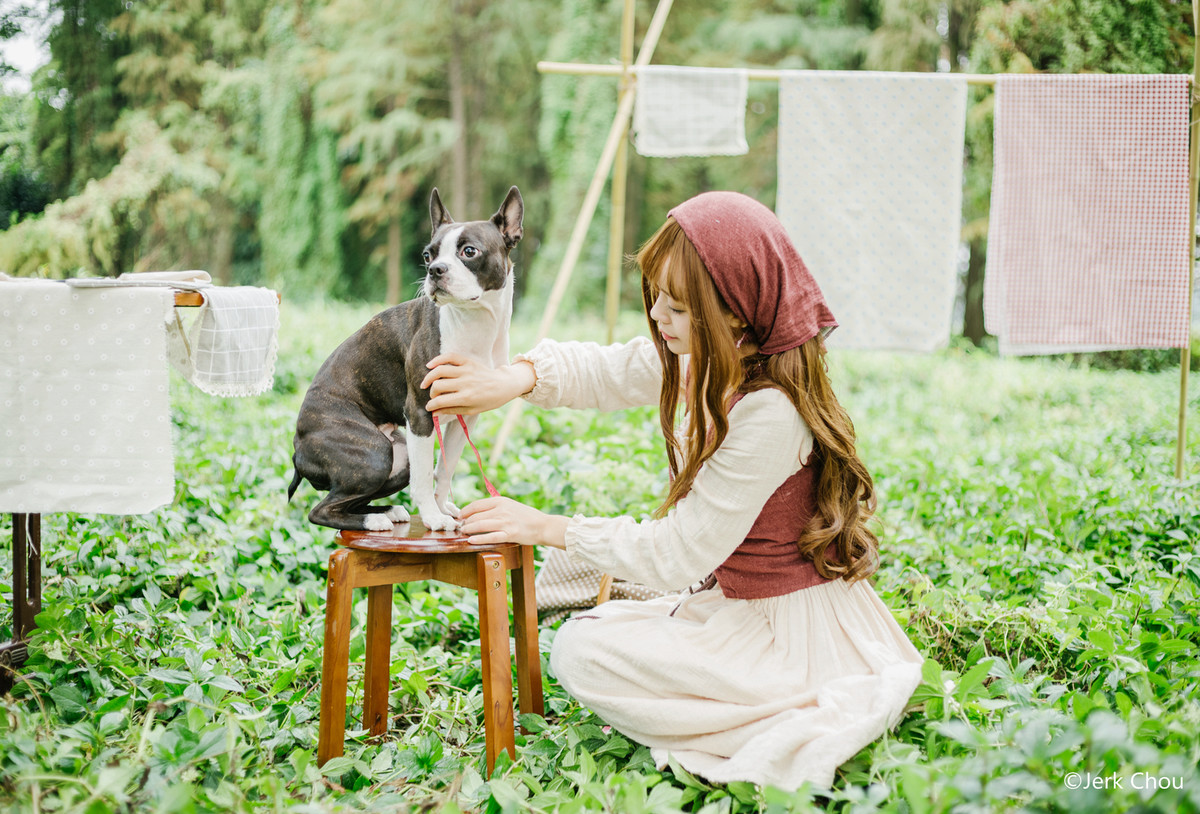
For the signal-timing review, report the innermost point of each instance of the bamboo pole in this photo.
(756, 74)
(1185, 353)
(588, 210)
(616, 224)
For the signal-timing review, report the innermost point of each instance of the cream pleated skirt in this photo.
(771, 691)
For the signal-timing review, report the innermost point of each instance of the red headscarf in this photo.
(756, 268)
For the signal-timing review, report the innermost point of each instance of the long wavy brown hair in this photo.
(719, 369)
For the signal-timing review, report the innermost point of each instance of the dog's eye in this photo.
(469, 252)
(426, 256)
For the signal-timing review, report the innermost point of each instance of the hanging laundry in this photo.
(870, 189)
(690, 111)
(233, 343)
(1089, 238)
(85, 413)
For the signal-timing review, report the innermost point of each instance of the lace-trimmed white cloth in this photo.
(690, 111)
(1089, 238)
(232, 345)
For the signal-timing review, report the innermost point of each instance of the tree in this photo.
(492, 93)
(370, 77)
(98, 229)
(22, 190)
(303, 211)
(576, 113)
(196, 68)
(78, 95)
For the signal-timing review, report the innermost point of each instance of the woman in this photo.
(783, 663)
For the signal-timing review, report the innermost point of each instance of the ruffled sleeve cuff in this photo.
(589, 541)
(547, 391)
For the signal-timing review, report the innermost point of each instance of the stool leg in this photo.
(497, 665)
(335, 661)
(525, 622)
(379, 651)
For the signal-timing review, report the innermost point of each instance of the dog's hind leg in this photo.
(397, 478)
(354, 463)
(397, 514)
(350, 513)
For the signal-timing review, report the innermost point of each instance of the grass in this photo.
(1036, 547)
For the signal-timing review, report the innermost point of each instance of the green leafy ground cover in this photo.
(1037, 549)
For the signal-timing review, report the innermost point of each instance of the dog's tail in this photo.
(295, 483)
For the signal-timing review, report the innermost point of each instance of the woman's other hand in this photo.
(502, 520)
(462, 386)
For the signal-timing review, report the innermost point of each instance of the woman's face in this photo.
(672, 320)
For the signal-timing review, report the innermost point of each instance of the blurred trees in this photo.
(372, 84)
(295, 142)
(79, 98)
(22, 190)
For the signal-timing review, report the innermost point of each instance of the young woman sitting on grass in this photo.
(779, 662)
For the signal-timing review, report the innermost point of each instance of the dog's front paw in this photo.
(439, 522)
(450, 509)
(377, 521)
(397, 514)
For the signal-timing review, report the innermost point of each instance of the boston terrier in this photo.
(363, 432)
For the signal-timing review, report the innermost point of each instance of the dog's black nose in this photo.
(436, 270)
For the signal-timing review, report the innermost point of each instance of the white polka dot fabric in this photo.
(85, 421)
(690, 111)
(870, 190)
(1089, 236)
(563, 587)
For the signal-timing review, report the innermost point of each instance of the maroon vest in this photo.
(769, 563)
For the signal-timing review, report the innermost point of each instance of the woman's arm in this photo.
(766, 441)
(552, 374)
(503, 520)
(461, 386)
(586, 374)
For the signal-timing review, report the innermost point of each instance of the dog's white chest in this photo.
(479, 330)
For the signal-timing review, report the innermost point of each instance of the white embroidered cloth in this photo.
(870, 190)
(233, 343)
(690, 111)
(1088, 239)
(85, 422)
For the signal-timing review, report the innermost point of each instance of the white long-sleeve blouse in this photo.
(767, 439)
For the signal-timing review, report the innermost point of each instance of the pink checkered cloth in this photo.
(1089, 237)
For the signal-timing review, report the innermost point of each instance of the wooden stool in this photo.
(377, 560)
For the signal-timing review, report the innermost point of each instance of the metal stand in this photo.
(27, 593)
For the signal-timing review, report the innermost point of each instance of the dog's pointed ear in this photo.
(509, 216)
(438, 215)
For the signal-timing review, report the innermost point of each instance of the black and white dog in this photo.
(363, 432)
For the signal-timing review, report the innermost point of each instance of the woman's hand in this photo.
(501, 520)
(462, 386)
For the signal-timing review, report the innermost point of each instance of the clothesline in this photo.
(628, 76)
(753, 74)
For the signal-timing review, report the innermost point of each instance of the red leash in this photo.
(437, 426)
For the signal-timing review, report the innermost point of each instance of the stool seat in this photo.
(378, 560)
